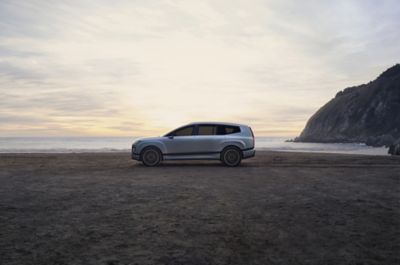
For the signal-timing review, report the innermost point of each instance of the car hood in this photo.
(148, 139)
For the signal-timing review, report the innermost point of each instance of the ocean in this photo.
(118, 144)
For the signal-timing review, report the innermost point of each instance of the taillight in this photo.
(252, 135)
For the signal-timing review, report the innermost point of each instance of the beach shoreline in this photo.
(56, 145)
(276, 208)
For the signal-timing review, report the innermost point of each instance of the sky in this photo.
(142, 68)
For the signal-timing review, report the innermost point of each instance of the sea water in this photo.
(122, 144)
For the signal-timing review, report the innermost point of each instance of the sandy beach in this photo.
(277, 208)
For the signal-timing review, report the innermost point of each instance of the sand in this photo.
(277, 208)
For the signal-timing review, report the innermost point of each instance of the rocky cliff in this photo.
(368, 113)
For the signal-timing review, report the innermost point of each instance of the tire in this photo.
(151, 156)
(231, 156)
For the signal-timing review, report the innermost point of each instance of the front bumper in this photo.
(249, 153)
(135, 156)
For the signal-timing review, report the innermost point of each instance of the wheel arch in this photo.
(158, 144)
(235, 143)
(232, 146)
(147, 146)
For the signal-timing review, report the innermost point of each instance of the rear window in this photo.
(227, 129)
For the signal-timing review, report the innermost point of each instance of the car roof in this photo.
(216, 123)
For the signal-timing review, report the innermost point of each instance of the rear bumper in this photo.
(249, 153)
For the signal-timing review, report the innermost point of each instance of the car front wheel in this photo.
(151, 157)
(231, 156)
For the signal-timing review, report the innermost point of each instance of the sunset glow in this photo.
(141, 68)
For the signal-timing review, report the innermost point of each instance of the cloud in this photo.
(18, 119)
(91, 67)
(14, 71)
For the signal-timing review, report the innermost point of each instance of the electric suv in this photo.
(228, 142)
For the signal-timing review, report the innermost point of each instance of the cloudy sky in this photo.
(143, 67)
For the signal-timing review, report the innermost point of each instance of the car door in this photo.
(207, 139)
(181, 141)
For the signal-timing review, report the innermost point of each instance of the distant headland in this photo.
(369, 113)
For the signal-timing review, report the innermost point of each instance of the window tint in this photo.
(207, 130)
(225, 129)
(186, 131)
(231, 129)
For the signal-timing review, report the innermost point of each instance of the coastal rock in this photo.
(369, 113)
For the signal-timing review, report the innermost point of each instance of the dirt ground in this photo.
(278, 208)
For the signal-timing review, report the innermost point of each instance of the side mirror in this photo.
(170, 137)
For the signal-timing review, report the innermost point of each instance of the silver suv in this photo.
(227, 142)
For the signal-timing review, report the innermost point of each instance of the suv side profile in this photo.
(228, 142)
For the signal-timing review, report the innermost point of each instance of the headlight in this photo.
(136, 142)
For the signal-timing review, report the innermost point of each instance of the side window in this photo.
(186, 131)
(207, 130)
(225, 129)
(231, 129)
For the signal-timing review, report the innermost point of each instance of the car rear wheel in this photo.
(151, 157)
(231, 156)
